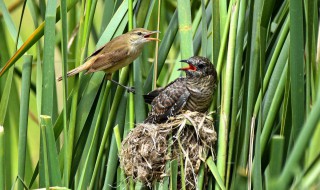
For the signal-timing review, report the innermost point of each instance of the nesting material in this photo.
(147, 148)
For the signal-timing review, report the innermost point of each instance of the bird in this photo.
(116, 54)
(193, 92)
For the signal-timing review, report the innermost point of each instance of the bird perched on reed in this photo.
(116, 54)
(193, 92)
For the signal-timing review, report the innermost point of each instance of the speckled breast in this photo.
(201, 93)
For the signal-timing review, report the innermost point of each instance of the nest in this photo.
(147, 148)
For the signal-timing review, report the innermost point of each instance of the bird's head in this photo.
(140, 36)
(199, 67)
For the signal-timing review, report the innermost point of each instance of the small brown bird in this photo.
(193, 92)
(116, 54)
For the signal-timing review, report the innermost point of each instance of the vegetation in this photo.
(67, 134)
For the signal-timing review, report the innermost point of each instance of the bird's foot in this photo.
(131, 89)
(128, 88)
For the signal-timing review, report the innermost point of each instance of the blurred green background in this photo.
(65, 134)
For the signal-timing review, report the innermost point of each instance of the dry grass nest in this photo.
(147, 148)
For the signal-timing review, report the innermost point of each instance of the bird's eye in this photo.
(201, 66)
(139, 33)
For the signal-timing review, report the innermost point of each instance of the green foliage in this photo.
(68, 134)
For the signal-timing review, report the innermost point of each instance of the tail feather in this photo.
(76, 70)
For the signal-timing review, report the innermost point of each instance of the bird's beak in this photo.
(189, 68)
(147, 36)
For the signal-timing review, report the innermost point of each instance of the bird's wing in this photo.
(108, 59)
(104, 48)
(170, 101)
(94, 53)
(148, 98)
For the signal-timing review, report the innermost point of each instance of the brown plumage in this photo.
(193, 92)
(116, 54)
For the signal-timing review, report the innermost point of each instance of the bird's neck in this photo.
(195, 82)
(136, 48)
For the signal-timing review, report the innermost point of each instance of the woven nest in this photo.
(147, 148)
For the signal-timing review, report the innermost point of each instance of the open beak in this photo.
(189, 68)
(147, 36)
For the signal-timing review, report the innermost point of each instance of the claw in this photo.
(128, 88)
(131, 89)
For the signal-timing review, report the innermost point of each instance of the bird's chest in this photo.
(135, 52)
(201, 92)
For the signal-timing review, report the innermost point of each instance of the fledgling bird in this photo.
(116, 54)
(193, 92)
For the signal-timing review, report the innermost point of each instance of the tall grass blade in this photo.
(64, 54)
(236, 86)
(215, 31)
(204, 29)
(5, 96)
(23, 120)
(155, 72)
(115, 145)
(274, 107)
(297, 67)
(274, 169)
(185, 31)
(226, 93)
(48, 81)
(173, 174)
(281, 52)
(10, 25)
(7, 88)
(44, 122)
(92, 141)
(2, 163)
(214, 170)
(201, 176)
(223, 43)
(53, 162)
(252, 78)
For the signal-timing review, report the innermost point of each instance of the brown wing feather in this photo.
(169, 102)
(94, 53)
(103, 49)
(108, 59)
(108, 55)
(148, 98)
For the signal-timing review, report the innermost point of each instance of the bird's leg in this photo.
(128, 88)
